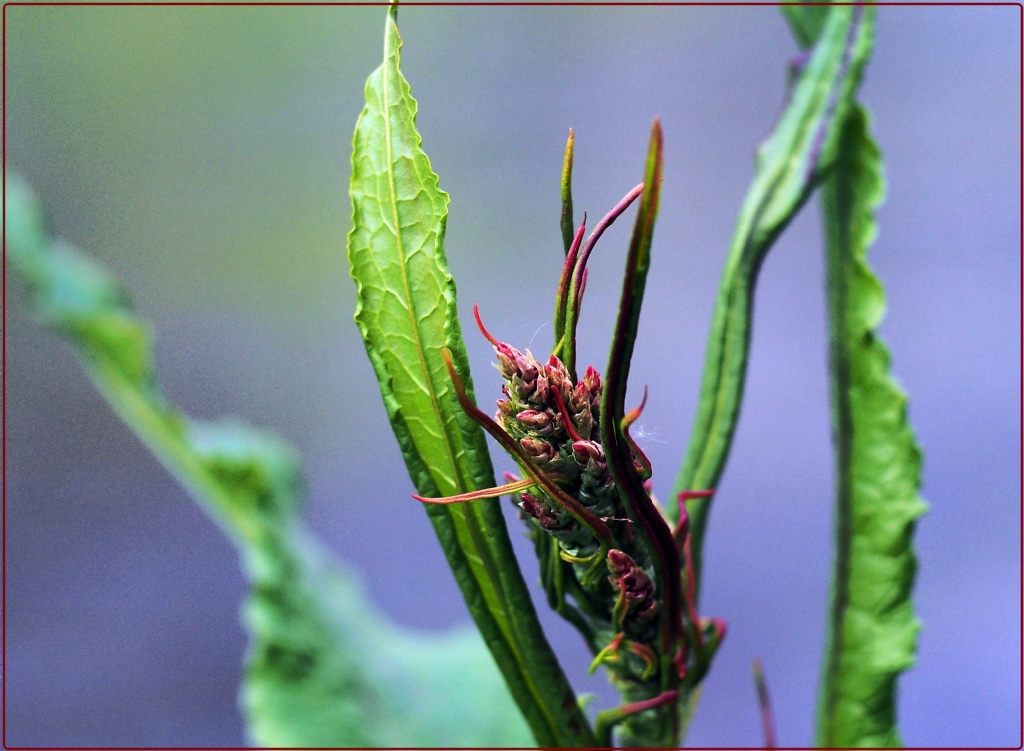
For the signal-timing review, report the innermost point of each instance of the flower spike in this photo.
(585, 494)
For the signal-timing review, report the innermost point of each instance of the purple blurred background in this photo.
(203, 154)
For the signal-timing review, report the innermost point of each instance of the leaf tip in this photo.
(764, 703)
(654, 158)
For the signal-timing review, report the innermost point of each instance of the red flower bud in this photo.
(558, 377)
(542, 388)
(510, 360)
(538, 449)
(538, 422)
(588, 451)
(628, 578)
(535, 509)
(579, 399)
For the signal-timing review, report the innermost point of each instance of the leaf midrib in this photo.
(429, 381)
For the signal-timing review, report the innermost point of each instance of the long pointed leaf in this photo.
(407, 315)
(324, 669)
(664, 728)
(872, 631)
(789, 164)
(565, 220)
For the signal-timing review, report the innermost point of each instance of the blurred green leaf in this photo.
(806, 22)
(872, 632)
(407, 315)
(323, 668)
(789, 164)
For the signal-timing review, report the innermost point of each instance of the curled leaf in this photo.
(872, 633)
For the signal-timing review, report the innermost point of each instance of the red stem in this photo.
(658, 701)
(483, 329)
(569, 427)
(477, 495)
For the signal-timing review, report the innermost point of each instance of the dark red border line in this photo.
(430, 3)
(3, 387)
(517, 3)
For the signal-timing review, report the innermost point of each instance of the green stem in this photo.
(790, 162)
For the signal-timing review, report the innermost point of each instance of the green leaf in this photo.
(323, 668)
(789, 164)
(872, 631)
(565, 220)
(407, 315)
(806, 22)
(660, 727)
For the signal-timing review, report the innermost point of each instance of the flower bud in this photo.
(538, 449)
(538, 512)
(579, 399)
(540, 394)
(628, 577)
(558, 377)
(524, 386)
(511, 361)
(519, 370)
(572, 536)
(578, 405)
(537, 422)
(586, 452)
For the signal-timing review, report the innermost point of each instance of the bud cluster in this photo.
(579, 479)
(636, 593)
(532, 414)
(556, 423)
